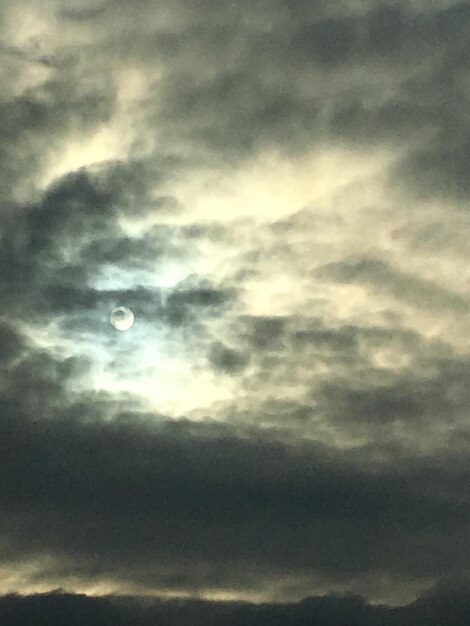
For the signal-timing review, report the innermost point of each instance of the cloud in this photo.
(111, 493)
(63, 244)
(449, 604)
(11, 343)
(277, 195)
(226, 359)
(379, 275)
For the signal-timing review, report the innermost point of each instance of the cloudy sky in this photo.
(279, 191)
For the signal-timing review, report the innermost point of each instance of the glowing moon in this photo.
(122, 318)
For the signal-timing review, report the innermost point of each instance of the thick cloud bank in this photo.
(441, 605)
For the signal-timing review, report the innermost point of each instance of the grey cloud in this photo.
(172, 480)
(37, 120)
(441, 165)
(53, 250)
(291, 519)
(123, 250)
(263, 332)
(179, 306)
(163, 242)
(400, 400)
(449, 604)
(273, 91)
(81, 14)
(226, 359)
(291, 334)
(11, 344)
(420, 389)
(166, 503)
(239, 79)
(68, 210)
(186, 299)
(139, 491)
(436, 234)
(382, 277)
(28, 54)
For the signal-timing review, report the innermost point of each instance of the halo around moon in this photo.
(122, 318)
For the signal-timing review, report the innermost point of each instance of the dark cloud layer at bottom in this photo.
(444, 604)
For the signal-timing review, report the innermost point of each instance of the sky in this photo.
(279, 192)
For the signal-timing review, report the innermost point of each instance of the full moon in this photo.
(122, 318)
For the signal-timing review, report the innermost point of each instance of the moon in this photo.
(122, 318)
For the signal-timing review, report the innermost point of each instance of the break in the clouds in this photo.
(279, 194)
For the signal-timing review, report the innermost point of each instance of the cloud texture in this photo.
(280, 195)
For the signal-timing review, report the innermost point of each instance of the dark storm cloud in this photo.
(444, 604)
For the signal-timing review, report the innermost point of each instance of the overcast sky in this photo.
(279, 192)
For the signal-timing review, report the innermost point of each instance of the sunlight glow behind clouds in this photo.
(275, 190)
